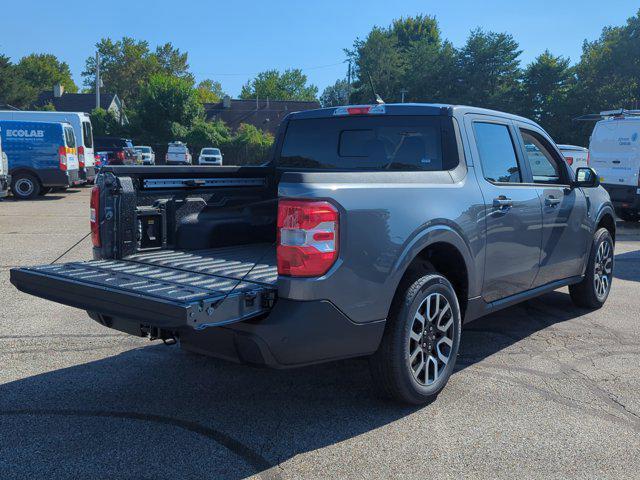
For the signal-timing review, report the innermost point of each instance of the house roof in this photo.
(264, 114)
(75, 102)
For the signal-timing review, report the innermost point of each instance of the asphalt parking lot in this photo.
(541, 390)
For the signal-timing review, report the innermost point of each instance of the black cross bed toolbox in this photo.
(165, 288)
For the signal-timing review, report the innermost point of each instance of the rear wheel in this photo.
(594, 289)
(25, 186)
(418, 351)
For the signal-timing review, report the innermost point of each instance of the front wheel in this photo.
(594, 288)
(420, 344)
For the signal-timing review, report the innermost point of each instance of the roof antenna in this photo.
(377, 97)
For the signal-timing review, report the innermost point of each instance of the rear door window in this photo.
(404, 143)
(87, 134)
(497, 153)
(69, 137)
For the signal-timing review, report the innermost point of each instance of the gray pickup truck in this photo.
(373, 231)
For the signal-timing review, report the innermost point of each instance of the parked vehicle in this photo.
(575, 156)
(614, 152)
(5, 178)
(42, 156)
(81, 123)
(178, 154)
(147, 154)
(120, 151)
(210, 156)
(101, 159)
(374, 231)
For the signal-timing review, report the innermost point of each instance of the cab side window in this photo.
(545, 166)
(497, 153)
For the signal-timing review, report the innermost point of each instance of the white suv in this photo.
(178, 154)
(210, 156)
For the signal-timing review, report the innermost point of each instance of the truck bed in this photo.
(164, 288)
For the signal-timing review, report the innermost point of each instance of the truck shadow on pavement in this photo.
(627, 266)
(159, 412)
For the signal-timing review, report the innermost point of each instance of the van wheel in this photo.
(419, 347)
(594, 288)
(25, 186)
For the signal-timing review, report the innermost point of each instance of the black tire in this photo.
(391, 366)
(25, 186)
(587, 293)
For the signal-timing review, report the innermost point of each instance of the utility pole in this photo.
(402, 92)
(98, 80)
(349, 83)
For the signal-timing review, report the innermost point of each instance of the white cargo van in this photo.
(614, 153)
(81, 123)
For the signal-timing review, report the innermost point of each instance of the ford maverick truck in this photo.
(372, 231)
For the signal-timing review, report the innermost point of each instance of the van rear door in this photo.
(70, 147)
(615, 151)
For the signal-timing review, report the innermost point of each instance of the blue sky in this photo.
(230, 41)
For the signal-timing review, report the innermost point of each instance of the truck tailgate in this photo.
(165, 288)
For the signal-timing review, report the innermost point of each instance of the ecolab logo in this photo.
(26, 133)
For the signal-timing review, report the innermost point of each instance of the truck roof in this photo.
(410, 109)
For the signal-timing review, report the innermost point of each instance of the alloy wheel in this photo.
(431, 339)
(603, 270)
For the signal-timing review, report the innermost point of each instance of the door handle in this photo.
(551, 201)
(502, 203)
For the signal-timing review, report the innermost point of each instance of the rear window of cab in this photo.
(370, 143)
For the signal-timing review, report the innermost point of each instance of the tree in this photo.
(207, 134)
(11, 92)
(167, 108)
(209, 91)
(126, 65)
(289, 85)
(336, 94)
(37, 72)
(489, 70)
(546, 85)
(105, 123)
(249, 146)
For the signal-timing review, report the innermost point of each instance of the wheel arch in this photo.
(606, 219)
(448, 253)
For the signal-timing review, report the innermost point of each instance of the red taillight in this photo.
(81, 156)
(120, 155)
(62, 158)
(569, 160)
(307, 237)
(94, 216)
(358, 110)
(97, 160)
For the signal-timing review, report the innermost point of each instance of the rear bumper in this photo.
(624, 197)
(88, 174)
(58, 178)
(293, 334)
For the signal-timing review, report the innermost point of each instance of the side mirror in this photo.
(586, 177)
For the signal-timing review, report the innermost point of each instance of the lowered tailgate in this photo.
(166, 288)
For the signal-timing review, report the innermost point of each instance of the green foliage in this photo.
(11, 91)
(289, 85)
(206, 134)
(168, 106)
(249, 146)
(128, 64)
(47, 107)
(209, 91)
(105, 123)
(336, 94)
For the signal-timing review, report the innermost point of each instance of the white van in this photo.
(614, 153)
(81, 123)
(576, 156)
